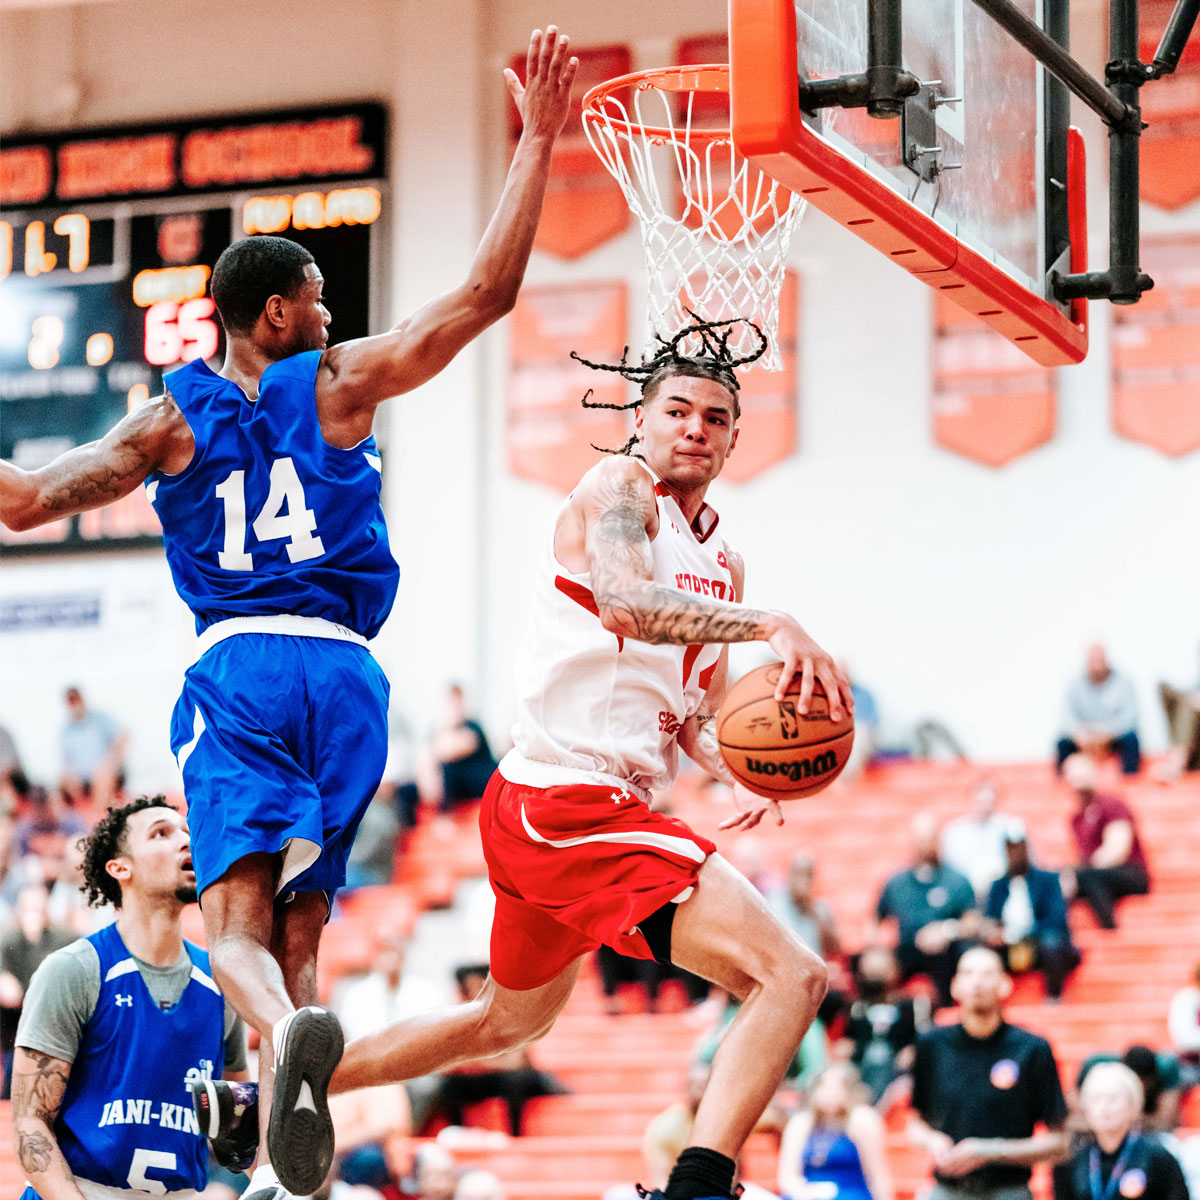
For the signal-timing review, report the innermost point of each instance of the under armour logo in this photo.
(617, 797)
(125, 1000)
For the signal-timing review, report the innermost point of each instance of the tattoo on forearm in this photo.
(35, 1150)
(75, 484)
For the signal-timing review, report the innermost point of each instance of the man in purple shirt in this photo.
(1111, 863)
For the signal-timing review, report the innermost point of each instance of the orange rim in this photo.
(706, 77)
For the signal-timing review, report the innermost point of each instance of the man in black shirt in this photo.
(980, 1089)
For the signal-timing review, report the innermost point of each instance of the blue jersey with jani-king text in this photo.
(269, 517)
(126, 1119)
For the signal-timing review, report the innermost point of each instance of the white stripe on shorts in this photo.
(287, 624)
(633, 837)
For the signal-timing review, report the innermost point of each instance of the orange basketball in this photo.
(771, 748)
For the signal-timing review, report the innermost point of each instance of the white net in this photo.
(715, 230)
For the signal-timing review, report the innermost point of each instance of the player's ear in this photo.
(275, 310)
(118, 868)
(733, 440)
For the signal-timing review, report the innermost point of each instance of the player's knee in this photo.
(798, 975)
(500, 1029)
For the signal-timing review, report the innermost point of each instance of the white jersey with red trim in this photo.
(598, 708)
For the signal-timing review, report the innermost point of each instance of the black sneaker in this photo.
(308, 1047)
(228, 1117)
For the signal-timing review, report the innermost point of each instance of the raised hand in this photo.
(549, 72)
(751, 810)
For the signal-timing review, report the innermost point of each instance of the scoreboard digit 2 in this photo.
(107, 242)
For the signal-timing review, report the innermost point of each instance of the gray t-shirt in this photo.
(63, 992)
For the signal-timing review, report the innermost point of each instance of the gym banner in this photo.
(989, 401)
(584, 207)
(550, 435)
(1156, 351)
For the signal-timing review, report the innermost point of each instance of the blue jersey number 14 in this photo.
(298, 523)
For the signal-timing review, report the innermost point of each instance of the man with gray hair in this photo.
(981, 1089)
(1101, 714)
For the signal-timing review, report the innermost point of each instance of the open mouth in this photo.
(187, 864)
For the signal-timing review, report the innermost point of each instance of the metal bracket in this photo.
(918, 133)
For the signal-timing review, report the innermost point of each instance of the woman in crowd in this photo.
(834, 1148)
(1119, 1161)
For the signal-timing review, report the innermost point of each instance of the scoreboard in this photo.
(107, 242)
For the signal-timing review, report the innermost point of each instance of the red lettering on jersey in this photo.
(722, 561)
(669, 722)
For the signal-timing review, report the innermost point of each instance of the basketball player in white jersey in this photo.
(625, 663)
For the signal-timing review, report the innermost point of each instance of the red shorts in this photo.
(576, 866)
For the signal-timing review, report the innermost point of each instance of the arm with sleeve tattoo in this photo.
(154, 436)
(618, 508)
(38, 1084)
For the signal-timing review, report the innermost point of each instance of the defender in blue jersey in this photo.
(116, 1027)
(267, 485)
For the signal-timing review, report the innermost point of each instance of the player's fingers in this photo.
(786, 675)
(514, 84)
(777, 812)
(548, 43)
(806, 686)
(531, 55)
(831, 684)
(558, 58)
(568, 75)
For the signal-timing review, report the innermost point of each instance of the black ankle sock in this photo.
(699, 1173)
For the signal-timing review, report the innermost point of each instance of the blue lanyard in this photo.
(1108, 1192)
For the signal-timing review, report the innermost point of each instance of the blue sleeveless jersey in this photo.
(268, 517)
(126, 1119)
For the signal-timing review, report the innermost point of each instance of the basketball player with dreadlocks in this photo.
(625, 662)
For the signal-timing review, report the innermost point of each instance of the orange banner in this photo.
(1170, 145)
(584, 206)
(989, 401)
(550, 435)
(1156, 351)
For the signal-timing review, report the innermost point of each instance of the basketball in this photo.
(771, 748)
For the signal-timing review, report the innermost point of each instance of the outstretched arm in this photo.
(153, 437)
(364, 373)
(618, 507)
(38, 1084)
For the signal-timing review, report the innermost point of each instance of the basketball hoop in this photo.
(715, 229)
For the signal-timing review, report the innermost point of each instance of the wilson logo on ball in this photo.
(795, 771)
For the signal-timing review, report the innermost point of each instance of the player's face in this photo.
(158, 855)
(687, 429)
(308, 317)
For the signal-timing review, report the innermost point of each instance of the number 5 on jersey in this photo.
(298, 523)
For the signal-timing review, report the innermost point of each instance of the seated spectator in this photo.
(670, 1132)
(1159, 1077)
(1101, 715)
(1182, 710)
(866, 726)
(457, 765)
(372, 858)
(363, 1122)
(1183, 1024)
(479, 1185)
(13, 782)
(93, 753)
(835, 1146)
(1111, 863)
(883, 1023)
(30, 939)
(47, 832)
(1117, 1159)
(934, 909)
(616, 969)
(810, 919)
(1026, 917)
(388, 991)
(973, 845)
(511, 1076)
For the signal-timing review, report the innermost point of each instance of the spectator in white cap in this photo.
(1025, 919)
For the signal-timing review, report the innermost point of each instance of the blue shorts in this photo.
(282, 742)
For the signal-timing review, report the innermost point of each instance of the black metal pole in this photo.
(1060, 64)
(1175, 36)
(1127, 281)
(885, 67)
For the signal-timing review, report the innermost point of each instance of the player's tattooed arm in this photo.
(38, 1084)
(619, 511)
(153, 437)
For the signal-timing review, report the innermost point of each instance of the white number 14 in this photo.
(297, 523)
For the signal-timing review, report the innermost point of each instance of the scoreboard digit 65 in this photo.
(107, 242)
